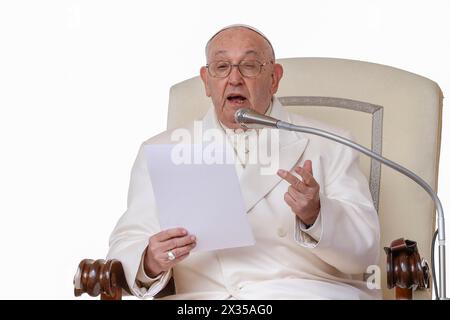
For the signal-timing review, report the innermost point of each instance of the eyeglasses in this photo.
(247, 68)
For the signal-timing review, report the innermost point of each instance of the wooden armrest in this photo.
(100, 277)
(406, 271)
(107, 278)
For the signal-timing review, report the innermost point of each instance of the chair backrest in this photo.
(391, 111)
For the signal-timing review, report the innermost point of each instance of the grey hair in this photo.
(239, 26)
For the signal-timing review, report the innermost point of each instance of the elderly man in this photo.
(315, 226)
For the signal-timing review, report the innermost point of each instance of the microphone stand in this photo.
(247, 116)
(441, 224)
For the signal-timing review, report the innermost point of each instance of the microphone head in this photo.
(250, 119)
(239, 116)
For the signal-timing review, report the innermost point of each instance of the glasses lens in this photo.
(219, 69)
(250, 68)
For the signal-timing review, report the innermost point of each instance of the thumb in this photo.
(308, 166)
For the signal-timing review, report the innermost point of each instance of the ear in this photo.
(204, 76)
(276, 77)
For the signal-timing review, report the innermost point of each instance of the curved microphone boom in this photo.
(248, 119)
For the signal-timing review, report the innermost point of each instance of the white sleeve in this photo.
(308, 237)
(149, 286)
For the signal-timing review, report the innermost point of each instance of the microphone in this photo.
(248, 119)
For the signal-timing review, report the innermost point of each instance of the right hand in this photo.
(177, 240)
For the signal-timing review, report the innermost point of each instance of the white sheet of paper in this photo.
(205, 199)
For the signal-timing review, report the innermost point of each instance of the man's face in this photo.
(236, 91)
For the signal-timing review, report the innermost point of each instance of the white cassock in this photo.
(326, 261)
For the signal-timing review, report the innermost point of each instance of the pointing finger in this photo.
(307, 177)
(289, 177)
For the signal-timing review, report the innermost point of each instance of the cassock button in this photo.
(282, 232)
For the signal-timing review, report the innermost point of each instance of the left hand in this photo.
(302, 196)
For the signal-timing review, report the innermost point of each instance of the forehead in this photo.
(238, 41)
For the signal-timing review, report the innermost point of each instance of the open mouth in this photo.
(236, 98)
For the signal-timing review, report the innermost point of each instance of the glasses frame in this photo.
(261, 65)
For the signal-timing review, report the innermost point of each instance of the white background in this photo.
(83, 83)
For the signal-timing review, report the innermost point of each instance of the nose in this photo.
(235, 78)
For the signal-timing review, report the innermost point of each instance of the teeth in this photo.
(236, 99)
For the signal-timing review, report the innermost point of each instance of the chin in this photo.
(229, 121)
